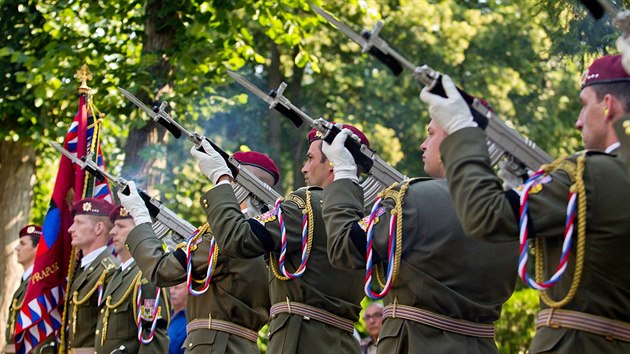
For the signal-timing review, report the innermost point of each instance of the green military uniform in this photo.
(14, 309)
(604, 290)
(237, 293)
(117, 328)
(442, 271)
(622, 127)
(82, 312)
(322, 290)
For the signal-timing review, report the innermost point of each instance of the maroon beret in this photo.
(119, 212)
(260, 160)
(31, 230)
(92, 206)
(605, 70)
(316, 135)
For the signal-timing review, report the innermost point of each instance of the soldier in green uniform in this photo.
(586, 309)
(314, 304)
(127, 296)
(89, 233)
(226, 317)
(25, 250)
(449, 288)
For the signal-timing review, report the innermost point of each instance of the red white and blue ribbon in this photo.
(100, 294)
(189, 270)
(139, 315)
(523, 235)
(283, 251)
(391, 247)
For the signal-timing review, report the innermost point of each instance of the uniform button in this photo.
(189, 345)
(115, 310)
(97, 332)
(102, 310)
(626, 124)
(91, 269)
(627, 130)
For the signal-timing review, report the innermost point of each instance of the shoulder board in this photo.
(296, 198)
(419, 179)
(108, 263)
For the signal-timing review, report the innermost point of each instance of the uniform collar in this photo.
(90, 257)
(27, 272)
(126, 265)
(612, 147)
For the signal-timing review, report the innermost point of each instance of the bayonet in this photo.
(503, 140)
(166, 219)
(380, 173)
(246, 183)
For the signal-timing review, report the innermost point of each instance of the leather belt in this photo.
(467, 328)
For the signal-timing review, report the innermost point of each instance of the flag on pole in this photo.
(42, 310)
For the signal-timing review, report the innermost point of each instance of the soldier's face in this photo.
(83, 231)
(431, 150)
(119, 233)
(592, 121)
(317, 171)
(25, 251)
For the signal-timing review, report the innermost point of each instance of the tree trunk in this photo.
(17, 178)
(158, 40)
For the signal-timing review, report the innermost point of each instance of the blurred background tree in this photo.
(524, 58)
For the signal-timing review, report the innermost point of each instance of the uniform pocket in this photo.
(547, 339)
(278, 323)
(122, 323)
(199, 338)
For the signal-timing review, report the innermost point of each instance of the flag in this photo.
(42, 309)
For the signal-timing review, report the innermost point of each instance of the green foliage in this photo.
(516, 327)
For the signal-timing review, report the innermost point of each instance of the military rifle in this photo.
(502, 140)
(597, 8)
(380, 173)
(166, 220)
(246, 183)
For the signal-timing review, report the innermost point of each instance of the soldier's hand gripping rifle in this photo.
(166, 220)
(246, 183)
(380, 173)
(502, 140)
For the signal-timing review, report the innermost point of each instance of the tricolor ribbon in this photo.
(212, 254)
(391, 247)
(523, 235)
(139, 316)
(283, 251)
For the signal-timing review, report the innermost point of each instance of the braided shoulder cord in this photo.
(213, 255)
(394, 244)
(109, 306)
(308, 229)
(580, 189)
(86, 298)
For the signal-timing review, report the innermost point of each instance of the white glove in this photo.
(510, 177)
(623, 44)
(451, 113)
(135, 205)
(210, 162)
(343, 163)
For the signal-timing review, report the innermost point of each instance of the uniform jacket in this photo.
(81, 330)
(622, 127)
(442, 270)
(487, 213)
(116, 326)
(321, 286)
(14, 309)
(238, 290)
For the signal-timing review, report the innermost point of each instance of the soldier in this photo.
(315, 307)
(25, 250)
(226, 317)
(89, 233)
(129, 298)
(586, 309)
(449, 288)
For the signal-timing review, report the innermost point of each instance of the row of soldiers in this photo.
(447, 246)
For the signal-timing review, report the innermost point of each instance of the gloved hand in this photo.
(510, 175)
(211, 163)
(341, 159)
(134, 204)
(623, 45)
(451, 113)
